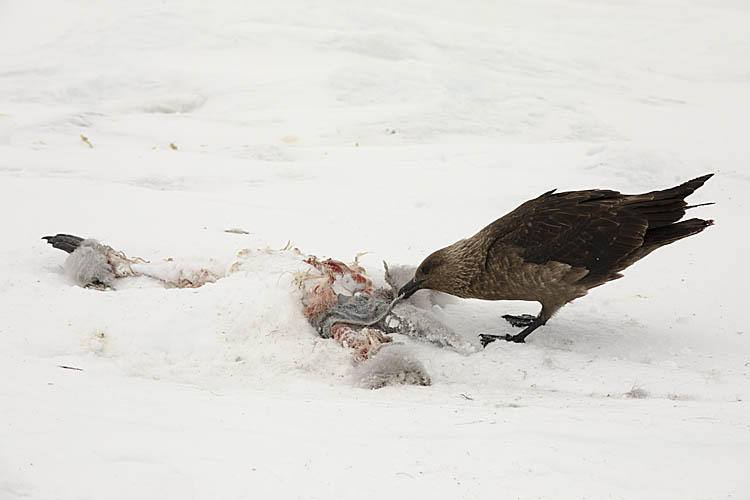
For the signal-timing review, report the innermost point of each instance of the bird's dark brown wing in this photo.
(591, 229)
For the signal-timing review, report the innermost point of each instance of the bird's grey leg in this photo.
(518, 338)
(522, 320)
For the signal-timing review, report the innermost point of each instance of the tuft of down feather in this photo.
(88, 265)
(393, 365)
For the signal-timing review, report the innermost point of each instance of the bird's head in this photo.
(431, 274)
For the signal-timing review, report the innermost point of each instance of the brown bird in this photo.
(556, 247)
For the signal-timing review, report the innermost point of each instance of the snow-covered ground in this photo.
(345, 127)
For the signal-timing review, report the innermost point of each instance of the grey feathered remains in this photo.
(88, 263)
(394, 365)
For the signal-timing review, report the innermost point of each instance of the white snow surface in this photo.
(394, 128)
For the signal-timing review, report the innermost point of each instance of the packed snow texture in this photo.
(393, 128)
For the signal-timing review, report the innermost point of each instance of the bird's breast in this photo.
(508, 277)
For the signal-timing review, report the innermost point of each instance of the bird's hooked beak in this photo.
(408, 289)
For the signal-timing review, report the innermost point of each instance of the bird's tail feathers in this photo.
(667, 206)
(683, 190)
(667, 234)
(700, 205)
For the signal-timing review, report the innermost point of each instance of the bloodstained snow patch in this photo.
(339, 299)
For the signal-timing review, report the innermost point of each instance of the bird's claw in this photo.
(486, 338)
(521, 320)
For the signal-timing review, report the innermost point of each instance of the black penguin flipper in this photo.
(65, 242)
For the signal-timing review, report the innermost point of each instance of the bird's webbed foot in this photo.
(521, 320)
(486, 338)
(519, 338)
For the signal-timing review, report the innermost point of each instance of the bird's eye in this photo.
(425, 268)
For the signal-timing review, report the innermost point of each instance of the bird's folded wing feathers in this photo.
(582, 228)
